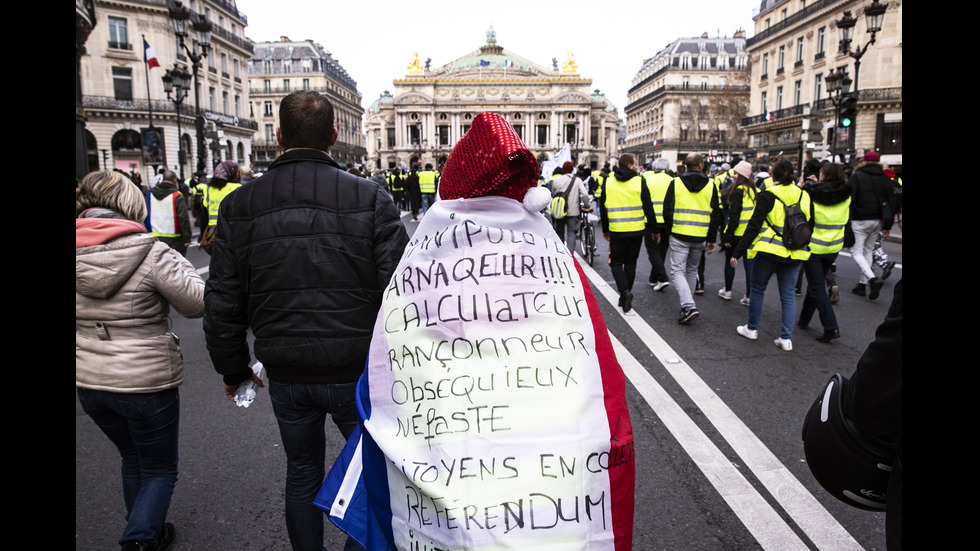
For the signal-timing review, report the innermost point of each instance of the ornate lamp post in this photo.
(177, 82)
(874, 15)
(838, 84)
(180, 16)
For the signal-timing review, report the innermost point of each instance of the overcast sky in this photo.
(375, 40)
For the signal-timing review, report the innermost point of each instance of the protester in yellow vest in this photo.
(831, 197)
(428, 184)
(626, 215)
(658, 180)
(741, 203)
(222, 184)
(692, 212)
(763, 242)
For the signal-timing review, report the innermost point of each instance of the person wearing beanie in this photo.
(871, 196)
(483, 284)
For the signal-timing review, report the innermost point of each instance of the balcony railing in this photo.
(141, 105)
(795, 110)
(120, 46)
(790, 21)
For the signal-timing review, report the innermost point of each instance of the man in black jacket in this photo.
(871, 193)
(301, 256)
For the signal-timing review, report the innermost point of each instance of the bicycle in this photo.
(586, 237)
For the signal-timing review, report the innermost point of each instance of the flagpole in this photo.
(146, 68)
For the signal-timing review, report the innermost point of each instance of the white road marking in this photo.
(759, 517)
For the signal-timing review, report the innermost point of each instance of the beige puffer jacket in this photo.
(124, 289)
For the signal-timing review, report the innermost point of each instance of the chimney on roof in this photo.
(284, 39)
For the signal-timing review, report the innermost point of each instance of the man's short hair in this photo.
(170, 176)
(661, 164)
(428, 166)
(693, 161)
(625, 160)
(306, 120)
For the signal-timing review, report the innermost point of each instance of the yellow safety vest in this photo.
(692, 211)
(624, 206)
(748, 207)
(768, 241)
(427, 181)
(213, 200)
(657, 183)
(828, 227)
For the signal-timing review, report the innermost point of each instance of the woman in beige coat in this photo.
(127, 361)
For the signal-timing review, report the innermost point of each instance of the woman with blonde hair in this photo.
(128, 364)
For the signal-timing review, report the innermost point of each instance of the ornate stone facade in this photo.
(690, 98)
(118, 107)
(794, 48)
(431, 108)
(279, 68)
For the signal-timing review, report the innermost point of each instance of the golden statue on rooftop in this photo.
(569, 67)
(415, 67)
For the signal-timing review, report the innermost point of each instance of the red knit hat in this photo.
(490, 159)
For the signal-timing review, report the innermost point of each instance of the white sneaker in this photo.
(744, 301)
(751, 334)
(727, 295)
(659, 286)
(785, 344)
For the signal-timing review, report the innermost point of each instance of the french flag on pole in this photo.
(148, 56)
(768, 115)
(492, 407)
(508, 63)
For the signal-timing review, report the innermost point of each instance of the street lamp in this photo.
(838, 85)
(178, 82)
(180, 16)
(874, 15)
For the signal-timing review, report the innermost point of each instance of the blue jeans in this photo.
(786, 273)
(144, 428)
(817, 298)
(730, 272)
(301, 411)
(428, 199)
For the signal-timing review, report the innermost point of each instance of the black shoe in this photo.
(167, 536)
(875, 284)
(887, 270)
(688, 315)
(621, 296)
(829, 336)
(699, 288)
(859, 290)
(627, 300)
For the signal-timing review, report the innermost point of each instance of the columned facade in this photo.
(430, 109)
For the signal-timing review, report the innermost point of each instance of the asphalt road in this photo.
(716, 419)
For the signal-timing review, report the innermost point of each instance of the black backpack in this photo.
(796, 230)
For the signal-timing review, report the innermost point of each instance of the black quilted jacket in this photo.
(301, 257)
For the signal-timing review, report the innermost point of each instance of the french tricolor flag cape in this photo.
(492, 408)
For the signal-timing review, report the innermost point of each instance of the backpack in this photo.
(796, 230)
(559, 202)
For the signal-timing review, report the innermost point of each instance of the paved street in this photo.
(716, 418)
